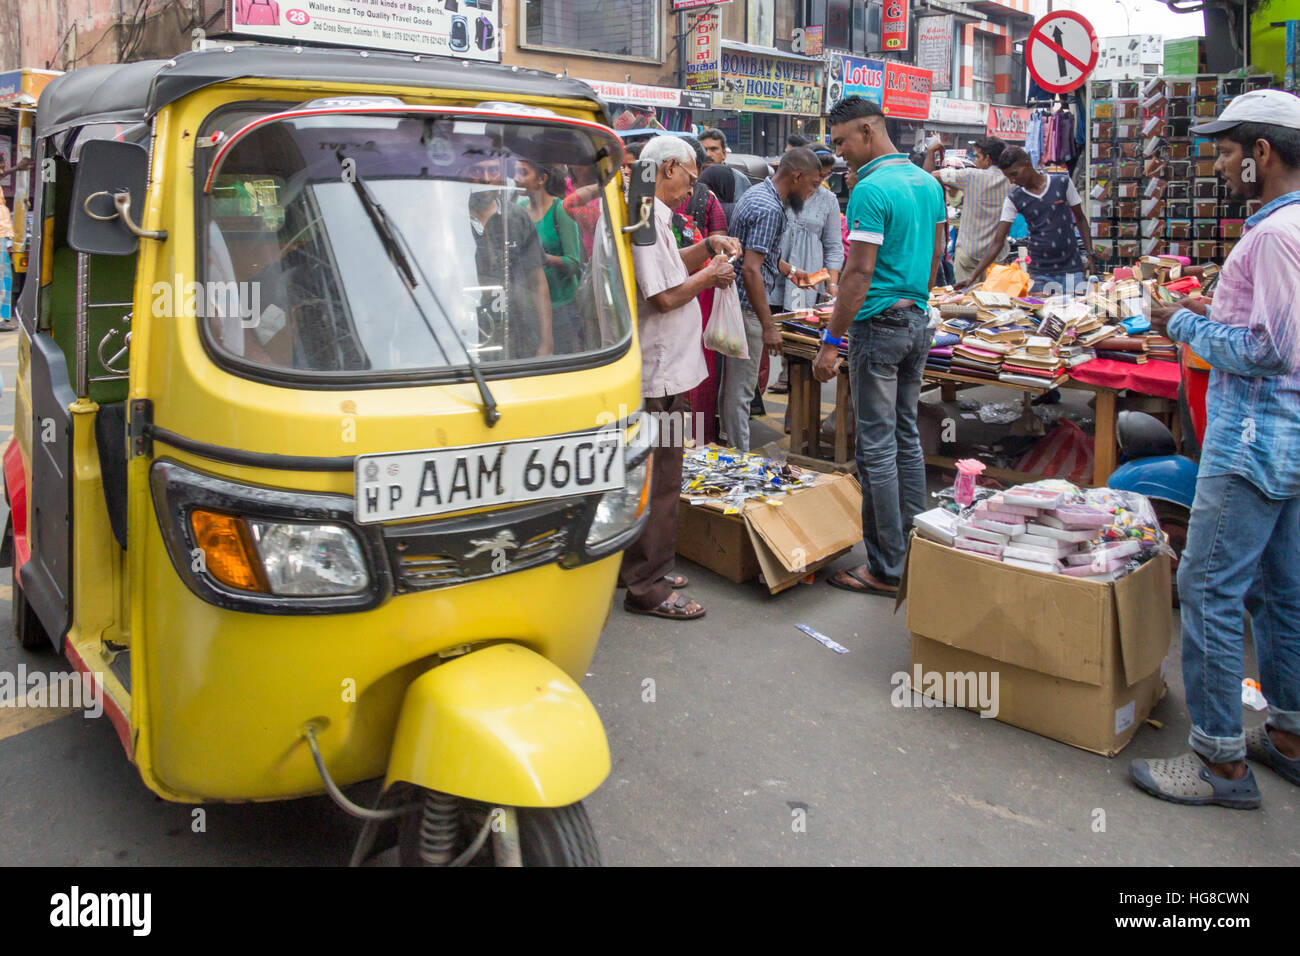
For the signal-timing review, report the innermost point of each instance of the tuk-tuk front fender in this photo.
(502, 725)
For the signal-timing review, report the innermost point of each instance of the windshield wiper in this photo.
(399, 251)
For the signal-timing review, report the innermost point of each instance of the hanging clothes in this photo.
(1034, 138)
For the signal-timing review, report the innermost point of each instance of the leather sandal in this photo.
(674, 607)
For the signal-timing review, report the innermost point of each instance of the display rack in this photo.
(1154, 189)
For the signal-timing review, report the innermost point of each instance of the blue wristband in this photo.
(828, 339)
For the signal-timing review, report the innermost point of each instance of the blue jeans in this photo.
(886, 358)
(1243, 549)
(1057, 283)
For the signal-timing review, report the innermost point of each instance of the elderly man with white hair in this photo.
(669, 281)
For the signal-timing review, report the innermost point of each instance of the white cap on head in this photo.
(1273, 107)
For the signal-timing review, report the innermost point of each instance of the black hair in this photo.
(714, 133)
(721, 181)
(636, 145)
(794, 139)
(554, 176)
(825, 157)
(851, 108)
(1283, 140)
(801, 159)
(1010, 156)
(991, 147)
(698, 147)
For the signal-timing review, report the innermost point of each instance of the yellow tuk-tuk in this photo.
(322, 463)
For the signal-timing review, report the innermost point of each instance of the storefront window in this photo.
(627, 28)
(837, 24)
(982, 68)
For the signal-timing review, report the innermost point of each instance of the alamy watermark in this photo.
(213, 299)
(976, 690)
(19, 689)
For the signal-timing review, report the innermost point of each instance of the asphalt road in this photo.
(751, 729)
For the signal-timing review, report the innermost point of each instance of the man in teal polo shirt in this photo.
(898, 225)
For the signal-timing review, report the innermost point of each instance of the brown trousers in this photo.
(650, 557)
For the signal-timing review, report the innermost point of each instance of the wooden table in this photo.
(806, 403)
(1105, 443)
(805, 411)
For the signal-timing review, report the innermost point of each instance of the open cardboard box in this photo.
(785, 543)
(1077, 661)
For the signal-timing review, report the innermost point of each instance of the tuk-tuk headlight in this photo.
(308, 560)
(619, 509)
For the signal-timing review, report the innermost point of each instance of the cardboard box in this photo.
(1077, 661)
(785, 543)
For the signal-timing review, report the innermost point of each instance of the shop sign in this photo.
(704, 54)
(934, 37)
(1183, 57)
(944, 109)
(859, 77)
(893, 25)
(408, 26)
(679, 5)
(1009, 122)
(637, 94)
(907, 92)
(814, 39)
(767, 84)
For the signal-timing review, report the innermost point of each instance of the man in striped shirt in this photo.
(985, 191)
(1243, 541)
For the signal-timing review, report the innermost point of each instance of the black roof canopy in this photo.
(133, 92)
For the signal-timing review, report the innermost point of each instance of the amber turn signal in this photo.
(226, 550)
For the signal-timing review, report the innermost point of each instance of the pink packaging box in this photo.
(980, 547)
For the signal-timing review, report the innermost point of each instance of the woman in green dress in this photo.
(562, 245)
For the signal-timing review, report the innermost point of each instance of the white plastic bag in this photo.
(725, 333)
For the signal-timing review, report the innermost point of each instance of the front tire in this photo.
(551, 836)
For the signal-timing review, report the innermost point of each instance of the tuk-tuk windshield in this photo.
(367, 244)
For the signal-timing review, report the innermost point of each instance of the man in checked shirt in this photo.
(1243, 543)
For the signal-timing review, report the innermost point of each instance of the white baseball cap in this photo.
(1274, 107)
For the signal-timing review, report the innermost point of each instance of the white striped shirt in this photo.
(986, 190)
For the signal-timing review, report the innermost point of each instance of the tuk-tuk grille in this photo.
(443, 552)
(418, 571)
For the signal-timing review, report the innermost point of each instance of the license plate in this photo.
(419, 484)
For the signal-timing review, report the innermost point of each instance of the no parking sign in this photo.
(1061, 51)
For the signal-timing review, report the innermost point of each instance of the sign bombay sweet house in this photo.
(765, 84)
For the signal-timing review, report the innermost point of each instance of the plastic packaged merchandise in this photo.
(734, 477)
(1000, 413)
(1053, 526)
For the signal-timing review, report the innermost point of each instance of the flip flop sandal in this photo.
(677, 581)
(673, 610)
(1259, 748)
(867, 587)
(1188, 780)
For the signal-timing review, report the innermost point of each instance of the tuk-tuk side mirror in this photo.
(641, 202)
(110, 184)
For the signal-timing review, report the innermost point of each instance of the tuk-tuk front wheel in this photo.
(445, 829)
(28, 630)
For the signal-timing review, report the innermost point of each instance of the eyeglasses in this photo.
(693, 177)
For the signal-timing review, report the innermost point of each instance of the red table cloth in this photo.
(1153, 378)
